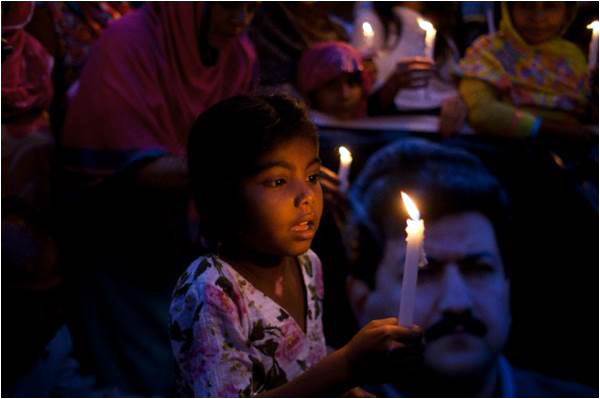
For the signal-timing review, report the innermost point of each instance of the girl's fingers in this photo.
(326, 172)
(329, 178)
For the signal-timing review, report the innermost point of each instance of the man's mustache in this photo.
(450, 323)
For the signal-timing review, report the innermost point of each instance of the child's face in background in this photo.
(539, 21)
(340, 97)
(229, 20)
(284, 200)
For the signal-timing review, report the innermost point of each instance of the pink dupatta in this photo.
(143, 86)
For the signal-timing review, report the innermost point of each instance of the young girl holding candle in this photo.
(525, 80)
(246, 317)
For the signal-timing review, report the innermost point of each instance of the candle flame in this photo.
(594, 25)
(345, 155)
(367, 29)
(410, 206)
(425, 25)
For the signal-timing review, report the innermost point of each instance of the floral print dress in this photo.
(231, 340)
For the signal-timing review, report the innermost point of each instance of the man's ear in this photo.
(358, 291)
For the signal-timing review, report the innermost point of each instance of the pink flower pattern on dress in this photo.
(219, 299)
(292, 341)
(230, 339)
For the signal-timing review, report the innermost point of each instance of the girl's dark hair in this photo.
(390, 21)
(442, 181)
(224, 146)
(441, 13)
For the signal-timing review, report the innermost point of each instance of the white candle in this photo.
(430, 33)
(415, 229)
(368, 39)
(593, 54)
(344, 170)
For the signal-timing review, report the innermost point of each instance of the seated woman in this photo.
(282, 30)
(525, 80)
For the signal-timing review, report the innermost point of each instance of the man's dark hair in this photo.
(440, 179)
(224, 146)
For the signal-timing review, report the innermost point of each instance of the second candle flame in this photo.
(410, 206)
(345, 156)
(425, 25)
(367, 29)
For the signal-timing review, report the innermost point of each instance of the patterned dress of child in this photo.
(231, 340)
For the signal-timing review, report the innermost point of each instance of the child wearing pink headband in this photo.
(333, 79)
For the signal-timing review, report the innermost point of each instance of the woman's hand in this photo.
(410, 73)
(453, 115)
(569, 131)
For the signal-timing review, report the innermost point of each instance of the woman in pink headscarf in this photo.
(151, 73)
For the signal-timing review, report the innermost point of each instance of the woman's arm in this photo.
(487, 114)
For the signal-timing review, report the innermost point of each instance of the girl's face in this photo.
(228, 20)
(284, 200)
(341, 96)
(539, 21)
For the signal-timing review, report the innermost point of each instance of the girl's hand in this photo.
(330, 184)
(569, 131)
(371, 353)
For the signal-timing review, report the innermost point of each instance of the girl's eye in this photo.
(275, 183)
(314, 178)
